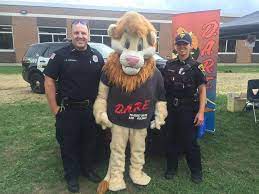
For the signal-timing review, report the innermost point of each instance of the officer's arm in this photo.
(202, 97)
(50, 90)
(199, 118)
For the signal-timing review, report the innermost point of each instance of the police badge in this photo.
(95, 58)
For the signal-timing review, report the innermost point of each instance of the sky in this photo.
(239, 7)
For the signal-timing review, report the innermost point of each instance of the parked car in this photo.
(37, 56)
(160, 61)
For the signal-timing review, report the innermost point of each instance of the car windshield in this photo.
(53, 48)
(158, 57)
(35, 51)
(102, 48)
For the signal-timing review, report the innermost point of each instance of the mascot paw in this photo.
(104, 121)
(102, 187)
(153, 124)
(117, 184)
(140, 178)
(157, 123)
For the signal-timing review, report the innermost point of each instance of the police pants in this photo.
(181, 138)
(76, 133)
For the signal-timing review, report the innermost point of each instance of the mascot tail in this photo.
(104, 184)
(103, 187)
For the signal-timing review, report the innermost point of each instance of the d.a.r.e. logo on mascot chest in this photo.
(131, 91)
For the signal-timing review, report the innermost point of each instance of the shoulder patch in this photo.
(202, 68)
(52, 56)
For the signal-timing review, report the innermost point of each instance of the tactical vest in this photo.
(179, 80)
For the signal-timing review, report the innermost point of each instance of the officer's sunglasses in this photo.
(83, 22)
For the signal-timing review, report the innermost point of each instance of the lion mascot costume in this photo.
(131, 92)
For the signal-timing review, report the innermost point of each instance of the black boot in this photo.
(73, 185)
(196, 177)
(92, 176)
(171, 168)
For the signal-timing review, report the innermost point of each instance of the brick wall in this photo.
(226, 58)
(165, 40)
(7, 57)
(24, 33)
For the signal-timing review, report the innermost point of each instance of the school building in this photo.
(26, 23)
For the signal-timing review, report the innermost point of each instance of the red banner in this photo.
(204, 28)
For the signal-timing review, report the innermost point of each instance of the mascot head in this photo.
(133, 38)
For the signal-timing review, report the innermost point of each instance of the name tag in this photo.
(70, 60)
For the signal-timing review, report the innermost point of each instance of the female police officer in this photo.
(77, 69)
(185, 86)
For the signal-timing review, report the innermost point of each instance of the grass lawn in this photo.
(10, 69)
(30, 161)
(221, 69)
(238, 69)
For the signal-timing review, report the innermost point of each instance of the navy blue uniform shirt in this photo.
(77, 72)
(182, 78)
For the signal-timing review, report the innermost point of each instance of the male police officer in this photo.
(185, 86)
(77, 69)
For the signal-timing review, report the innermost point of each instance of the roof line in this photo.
(72, 17)
(84, 6)
(94, 7)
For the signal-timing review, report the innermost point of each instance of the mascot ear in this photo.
(111, 29)
(151, 38)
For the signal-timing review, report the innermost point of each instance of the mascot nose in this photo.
(132, 60)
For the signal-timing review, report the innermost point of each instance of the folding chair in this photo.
(253, 95)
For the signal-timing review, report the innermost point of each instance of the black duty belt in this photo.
(68, 103)
(182, 101)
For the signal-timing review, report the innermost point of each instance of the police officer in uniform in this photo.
(77, 70)
(185, 85)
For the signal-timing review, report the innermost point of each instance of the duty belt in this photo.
(182, 101)
(68, 103)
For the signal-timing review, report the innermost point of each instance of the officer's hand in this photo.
(104, 121)
(199, 118)
(56, 110)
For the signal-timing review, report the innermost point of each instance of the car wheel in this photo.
(37, 83)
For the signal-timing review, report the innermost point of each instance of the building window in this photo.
(100, 36)
(227, 46)
(6, 37)
(256, 47)
(51, 34)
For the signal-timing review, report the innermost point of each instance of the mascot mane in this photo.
(133, 23)
(136, 25)
(129, 83)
